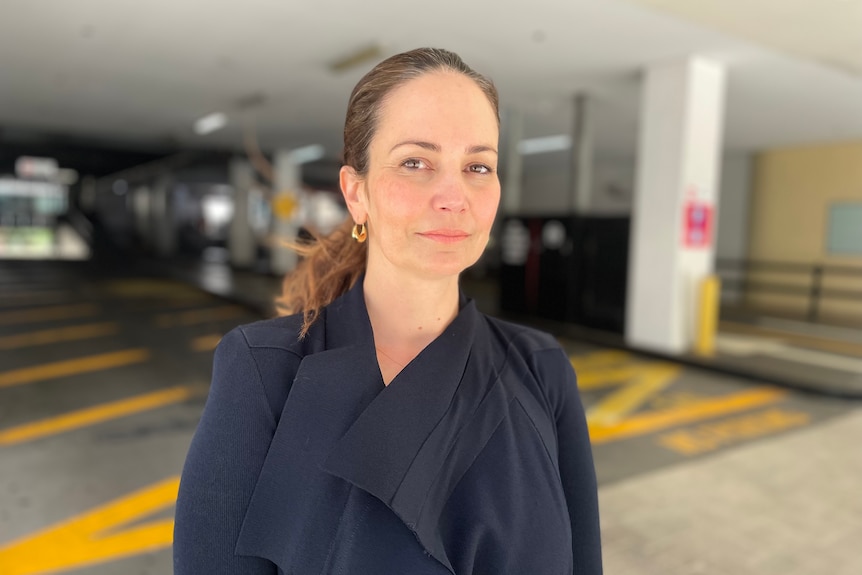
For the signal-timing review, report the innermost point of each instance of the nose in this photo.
(451, 195)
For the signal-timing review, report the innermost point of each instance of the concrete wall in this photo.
(546, 184)
(792, 194)
(733, 207)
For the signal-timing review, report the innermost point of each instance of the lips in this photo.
(445, 236)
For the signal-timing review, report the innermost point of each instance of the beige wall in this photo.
(791, 195)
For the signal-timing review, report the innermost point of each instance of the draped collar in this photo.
(396, 442)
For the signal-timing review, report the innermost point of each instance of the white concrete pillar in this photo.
(162, 218)
(285, 212)
(241, 242)
(514, 163)
(581, 158)
(141, 201)
(673, 219)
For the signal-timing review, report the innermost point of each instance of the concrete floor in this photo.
(102, 380)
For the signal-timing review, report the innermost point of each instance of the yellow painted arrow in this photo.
(93, 537)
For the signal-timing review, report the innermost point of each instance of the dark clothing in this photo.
(475, 459)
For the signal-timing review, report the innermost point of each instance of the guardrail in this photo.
(803, 280)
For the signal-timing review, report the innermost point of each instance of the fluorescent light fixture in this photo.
(360, 57)
(210, 123)
(543, 145)
(307, 153)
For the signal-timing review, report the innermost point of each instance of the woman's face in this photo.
(431, 191)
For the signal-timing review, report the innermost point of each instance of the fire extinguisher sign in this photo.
(697, 224)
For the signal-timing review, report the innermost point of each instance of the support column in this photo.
(241, 241)
(673, 219)
(285, 209)
(162, 218)
(513, 183)
(581, 168)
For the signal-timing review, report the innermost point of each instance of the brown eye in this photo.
(480, 169)
(413, 164)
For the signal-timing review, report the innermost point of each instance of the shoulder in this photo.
(520, 338)
(537, 361)
(268, 351)
(276, 333)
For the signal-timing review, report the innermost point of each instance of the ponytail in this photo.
(330, 266)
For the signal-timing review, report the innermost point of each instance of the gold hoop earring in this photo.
(359, 233)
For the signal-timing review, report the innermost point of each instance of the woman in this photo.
(389, 427)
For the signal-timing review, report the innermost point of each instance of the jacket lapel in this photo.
(380, 446)
(416, 438)
(407, 444)
(295, 508)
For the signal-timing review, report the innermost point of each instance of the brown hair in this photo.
(331, 264)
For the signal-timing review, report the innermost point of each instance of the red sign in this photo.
(697, 224)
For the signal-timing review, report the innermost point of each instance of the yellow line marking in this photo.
(590, 379)
(54, 295)
(71, 333)
(206, 342)
(73, 367)
(93, 537)
(196, 316)
(599, 359)
(93, 415)
(31, 294)
(650, 380)
(711, 436)
(47, 313)
(705, 409)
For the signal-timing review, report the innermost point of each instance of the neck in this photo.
(408, 312)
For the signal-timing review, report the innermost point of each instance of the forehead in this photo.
(437, 104)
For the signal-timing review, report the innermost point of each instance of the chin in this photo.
(453, 267)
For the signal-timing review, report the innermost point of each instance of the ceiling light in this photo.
(358, 57)
(210, 123)
(543, 145)
(307, 154)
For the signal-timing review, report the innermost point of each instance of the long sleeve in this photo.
(575, 457)
(222, 466)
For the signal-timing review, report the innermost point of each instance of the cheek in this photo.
(395, 200)
(486, 208)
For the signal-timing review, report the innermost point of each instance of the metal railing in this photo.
(802, 280)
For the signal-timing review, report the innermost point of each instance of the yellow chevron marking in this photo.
(96, 536)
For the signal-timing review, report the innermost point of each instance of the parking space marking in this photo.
(198, 316)
(703, 409)
(13, 299)
(710, 436)
(49, 336)
(651, 379)
(73, 367)
(93, 415)
(599, 359)
(590, 379)
(206, 342)
(94, 536)
(49, 313)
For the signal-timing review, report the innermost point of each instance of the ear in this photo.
(352, 185)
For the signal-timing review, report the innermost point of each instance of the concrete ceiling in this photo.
(824, 31)
(145, 71)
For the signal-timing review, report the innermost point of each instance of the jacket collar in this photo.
(382, 442)
(391, 441)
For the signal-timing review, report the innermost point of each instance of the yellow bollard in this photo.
(707, 324)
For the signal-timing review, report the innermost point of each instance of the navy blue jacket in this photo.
(474, 460)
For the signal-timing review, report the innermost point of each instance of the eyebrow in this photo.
(435, 148)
